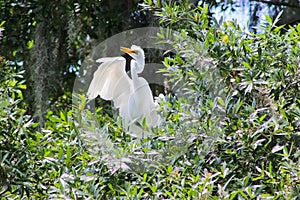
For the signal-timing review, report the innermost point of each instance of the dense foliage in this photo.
(249, 151)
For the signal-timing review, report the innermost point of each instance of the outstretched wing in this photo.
(111, 82)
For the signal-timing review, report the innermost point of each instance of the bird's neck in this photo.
(136, 68)
(134, 73)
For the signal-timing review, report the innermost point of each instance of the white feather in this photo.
(132, 97)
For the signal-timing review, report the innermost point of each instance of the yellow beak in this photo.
(127, 50)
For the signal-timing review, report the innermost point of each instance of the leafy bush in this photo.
(257, 153)
(242, 143)
(17, 136)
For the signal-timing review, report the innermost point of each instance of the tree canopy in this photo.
(49, 150)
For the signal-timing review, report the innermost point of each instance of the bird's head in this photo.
(136, 52)
(138, 56)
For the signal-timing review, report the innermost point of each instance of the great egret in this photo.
(132, 96)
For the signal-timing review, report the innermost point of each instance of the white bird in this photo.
(132, 96)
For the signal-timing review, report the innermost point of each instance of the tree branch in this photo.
(278, 3)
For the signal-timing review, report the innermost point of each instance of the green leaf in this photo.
(266, 195)
(269, 19)
(233, 195)
(262, 117)
(298, 28)
(247, 65)
(30, 44)
(169, 169)
(22, 86)
(2, 23)
(239, 105)
(62, 116)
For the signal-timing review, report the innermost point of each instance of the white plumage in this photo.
(132, 96)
